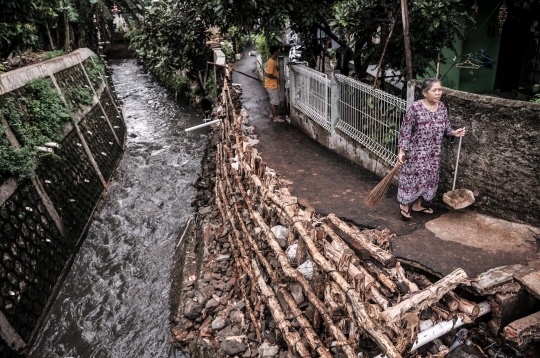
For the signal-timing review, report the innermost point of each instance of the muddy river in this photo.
(114, 302)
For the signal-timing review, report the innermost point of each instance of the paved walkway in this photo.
(329, 183)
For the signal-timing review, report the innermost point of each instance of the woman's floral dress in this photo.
(421, 137)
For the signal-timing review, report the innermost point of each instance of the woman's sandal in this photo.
(404, 214)
(424, 211)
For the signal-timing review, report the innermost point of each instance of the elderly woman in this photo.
(421, 134)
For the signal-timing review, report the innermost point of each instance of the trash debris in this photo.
(306, 269)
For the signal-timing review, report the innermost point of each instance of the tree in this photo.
(171, 41)
(28, 25)
(433, 25)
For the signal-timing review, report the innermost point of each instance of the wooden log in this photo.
(450, 302)
(289, 334)
(465, 306)
(362, 318)
(345, 260)
(301, 253)
(357, 239)
(403, 277)
(294, 341)
(426, 297)
(286, 267)
(375, 271)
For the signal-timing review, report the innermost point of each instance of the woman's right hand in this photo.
(402, 157)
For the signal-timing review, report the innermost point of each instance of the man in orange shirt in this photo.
(271, 82)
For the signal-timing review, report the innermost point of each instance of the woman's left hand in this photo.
(459, 132)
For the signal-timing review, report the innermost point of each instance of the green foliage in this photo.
(432, 26)
(95, 71)
(27, 25)
(211, 86)
(227, 51)
(36, 118)
(81, 95)
(262, 48)
(172, 38)
(536, 99)
(332, 54)
(238, 38)
(51, 54)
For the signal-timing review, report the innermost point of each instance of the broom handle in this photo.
(457, 163)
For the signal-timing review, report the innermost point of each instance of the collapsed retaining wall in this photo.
(499, 156)
(43, 219)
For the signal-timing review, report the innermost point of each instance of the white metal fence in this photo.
(310, 93)
(370, 116)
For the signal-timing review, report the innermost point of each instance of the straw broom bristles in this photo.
(375, 196)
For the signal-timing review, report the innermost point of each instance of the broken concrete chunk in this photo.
(205, 210)
(268, 351)
(489, 281)
(223, 257)
(192, 310)
(233, 347)
(218, 323)
(524, 331)
(531, 282)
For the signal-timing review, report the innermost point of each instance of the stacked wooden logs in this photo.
(328, 285)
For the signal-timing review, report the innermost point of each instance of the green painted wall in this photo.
(480, 81)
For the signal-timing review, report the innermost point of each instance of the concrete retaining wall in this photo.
(43, 220)
(499, 159)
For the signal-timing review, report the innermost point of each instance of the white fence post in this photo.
(334, 100)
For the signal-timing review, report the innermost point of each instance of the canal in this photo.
(115, 300)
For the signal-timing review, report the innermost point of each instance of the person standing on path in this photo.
(271, 82)
(424, 126)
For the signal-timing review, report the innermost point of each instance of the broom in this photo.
(376, 194)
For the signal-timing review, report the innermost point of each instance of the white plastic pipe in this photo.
(203, 125)
(442, 328)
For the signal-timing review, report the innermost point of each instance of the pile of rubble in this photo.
(266, 277)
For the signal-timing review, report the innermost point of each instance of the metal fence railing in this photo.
(310, 93)
(370, 116)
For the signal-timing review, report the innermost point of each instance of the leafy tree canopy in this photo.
(58, 24)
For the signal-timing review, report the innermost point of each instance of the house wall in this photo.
(476, 38)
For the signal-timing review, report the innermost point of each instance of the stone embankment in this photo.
(44, 218)
(257, 274)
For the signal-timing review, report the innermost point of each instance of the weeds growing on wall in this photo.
(81, 96)
(36, 118)
(95, 71)
(211, 86)
(52, 54)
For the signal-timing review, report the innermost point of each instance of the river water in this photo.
(115, 300)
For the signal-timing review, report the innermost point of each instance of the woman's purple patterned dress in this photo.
(421, 137)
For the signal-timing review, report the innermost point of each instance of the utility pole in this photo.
(406, 38)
